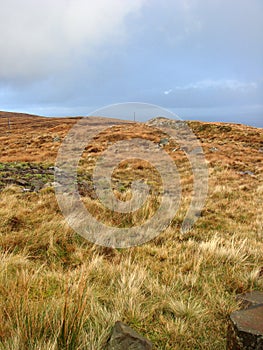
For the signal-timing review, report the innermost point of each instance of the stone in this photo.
(125, 338)
(213, 149)
(26, 190)
(51, 184)
(247, 172)
(21, 182)
(245, 331)
(164, 142)
(36, 185)
(250, 299)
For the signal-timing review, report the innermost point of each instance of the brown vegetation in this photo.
(58, 291)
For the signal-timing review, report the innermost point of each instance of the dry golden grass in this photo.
(58, 291)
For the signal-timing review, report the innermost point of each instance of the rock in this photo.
(125, 338)
(250, 299)
(164, 142)
(185, 149)
(245, 331)
(37, 184)
(247, 172)
(167, 123)
(246, 328)
(225, 128)
(26, 190)
(21, 182)
(9, 180)
(213, 149)
(51, 184)
(87, 189)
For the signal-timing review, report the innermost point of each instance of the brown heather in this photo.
(58, 291)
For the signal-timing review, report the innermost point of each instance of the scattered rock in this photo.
(51, 184)
(36, 185)
(21, 182)
(250, 299)
(247, 172)
(185, 149)
(167, 123)
(94, 150)
(125, 338)
(87, 189)
(225, 128)
(245, 331)
(26, 190)
(164, 142)
(31, 177)
(213, 149)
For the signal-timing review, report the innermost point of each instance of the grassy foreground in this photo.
(58, 291)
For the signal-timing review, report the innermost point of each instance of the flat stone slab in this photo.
(125, 338)
(246, 329)
(251, 299)
(249, 319)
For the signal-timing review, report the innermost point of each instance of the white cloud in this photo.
(227, 84)
(38, 38)
(167, 92)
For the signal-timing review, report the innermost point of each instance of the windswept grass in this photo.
(60, 292)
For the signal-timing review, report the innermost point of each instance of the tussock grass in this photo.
(60, 292)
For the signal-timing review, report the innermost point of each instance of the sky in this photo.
(200, 59)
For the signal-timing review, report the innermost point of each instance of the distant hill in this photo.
(35, 138)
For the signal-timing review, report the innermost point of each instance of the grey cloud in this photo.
(70, 55)
(40, 38)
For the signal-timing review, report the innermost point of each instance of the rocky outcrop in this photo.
(125, 338)
(245, 331)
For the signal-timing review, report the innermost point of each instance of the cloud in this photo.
(208, 93)
(226, 84)
(70, 55)
(40, 38)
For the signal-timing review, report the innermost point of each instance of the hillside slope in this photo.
(59, 291)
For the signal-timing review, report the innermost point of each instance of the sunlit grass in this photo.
(60, 292)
